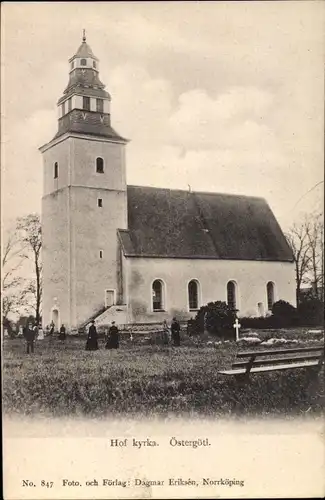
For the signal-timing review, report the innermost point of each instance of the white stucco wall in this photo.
(75, 229)
(83, 167)
(93, 229)
(76, 158)
(251, 278)
(59, 153)
(55, 255)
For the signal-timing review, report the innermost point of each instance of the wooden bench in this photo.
(270, 360)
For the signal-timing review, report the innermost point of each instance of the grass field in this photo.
(64, 379)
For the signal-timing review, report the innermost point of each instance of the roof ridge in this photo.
(211, 193)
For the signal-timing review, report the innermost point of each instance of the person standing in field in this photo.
(40, 333)
(113, 341)
(62, 333)
(29, 334)
(165, 333)
(92, 340)
(175, 329)
(51, 329)
(35, 329)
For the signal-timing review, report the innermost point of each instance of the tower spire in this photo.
(85, 105)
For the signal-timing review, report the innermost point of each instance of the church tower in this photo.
(84, 199)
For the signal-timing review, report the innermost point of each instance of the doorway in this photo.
(109, 298)
(55, 318)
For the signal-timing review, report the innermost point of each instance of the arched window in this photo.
(158, 292)
(83, 62)
(231, 294)
(193, 295)
(270, 295)
(99, 165)
(56, 170)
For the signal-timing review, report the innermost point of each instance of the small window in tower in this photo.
(94, 64)
(100, 254)
(86, 103)
(100, 202)
(56, 170)
(100, 105)
(69, 104)
(83, 62)
(99, 165)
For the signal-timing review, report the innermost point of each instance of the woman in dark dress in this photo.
(175, 329)
(113, 341)
(62, 333)
(92, 342)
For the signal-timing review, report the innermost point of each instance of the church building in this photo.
(136, 254)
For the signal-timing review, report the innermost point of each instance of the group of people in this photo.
(62, 331)
(33, 332)
(112, 338)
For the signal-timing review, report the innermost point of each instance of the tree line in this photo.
(22, 291)
(306, 240)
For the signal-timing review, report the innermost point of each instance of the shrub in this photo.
(311, 312)
(216, 318)
(284, 314)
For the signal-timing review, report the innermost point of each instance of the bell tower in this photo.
(84, 199)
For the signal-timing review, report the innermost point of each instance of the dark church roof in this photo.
(183, 224)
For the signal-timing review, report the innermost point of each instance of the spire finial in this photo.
(83, 35)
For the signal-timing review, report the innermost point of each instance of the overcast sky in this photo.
(224, 96)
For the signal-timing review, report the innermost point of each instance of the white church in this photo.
(136, 254)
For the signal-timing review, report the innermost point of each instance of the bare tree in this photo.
(307, 243)
(12, 257)
(11, 282)
(14, 301)
(30, 234)
(298, 241)
(315, 236)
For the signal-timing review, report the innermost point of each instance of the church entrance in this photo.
(55, 318)
(109, 298)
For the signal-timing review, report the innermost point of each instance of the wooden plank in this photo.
(274, 360)
(260, 369)
(271, 351)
